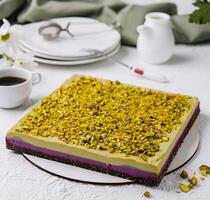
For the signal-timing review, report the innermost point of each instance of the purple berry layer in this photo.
(24, 147)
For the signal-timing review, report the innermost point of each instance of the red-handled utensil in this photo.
(148, 74)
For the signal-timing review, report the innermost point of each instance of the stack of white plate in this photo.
(66, 50)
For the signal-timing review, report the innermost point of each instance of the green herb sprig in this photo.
(202, 14)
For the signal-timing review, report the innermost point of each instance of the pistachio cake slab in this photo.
(107, 126)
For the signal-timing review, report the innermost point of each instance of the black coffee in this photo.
(10, 80)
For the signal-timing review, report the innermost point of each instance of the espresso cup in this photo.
(14, 94)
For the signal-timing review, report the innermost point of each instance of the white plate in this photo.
(57, 58)
(185, 153)
(64, 45)
(75, 62)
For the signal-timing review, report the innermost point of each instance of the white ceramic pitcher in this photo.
(156, 40)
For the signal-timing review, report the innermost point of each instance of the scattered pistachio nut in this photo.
(204, 169)
(193, 181)
(191, 186)
(203, 172)
(184, 174)
(184, 188)
(147, 194)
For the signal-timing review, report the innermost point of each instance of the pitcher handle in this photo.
(144, 27)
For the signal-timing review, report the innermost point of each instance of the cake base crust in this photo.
(140, 176)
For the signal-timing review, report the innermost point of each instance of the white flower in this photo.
(3, 48)
(6, 55)
(24, 60)
(5, 28)
(10, 35)
(4, 63)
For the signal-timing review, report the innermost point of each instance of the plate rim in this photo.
(63, 59)
(66, 18)
(77, 62)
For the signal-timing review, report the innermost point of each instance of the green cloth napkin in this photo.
(108, 11)
(9, 7)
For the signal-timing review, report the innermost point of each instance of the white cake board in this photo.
(184, 155)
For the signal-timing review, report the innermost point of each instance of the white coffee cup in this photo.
(15, 95)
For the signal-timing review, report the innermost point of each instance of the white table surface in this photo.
(189, 71)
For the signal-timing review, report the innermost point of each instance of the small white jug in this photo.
(156, 40)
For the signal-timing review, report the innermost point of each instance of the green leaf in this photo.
(202, 14)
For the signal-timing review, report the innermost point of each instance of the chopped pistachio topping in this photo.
(108, 116)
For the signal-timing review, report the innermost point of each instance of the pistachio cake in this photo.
(107, 126)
